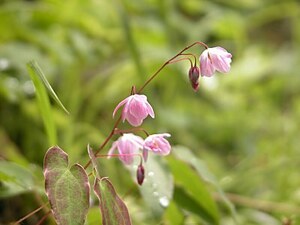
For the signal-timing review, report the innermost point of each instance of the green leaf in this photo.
(67, 189)
(34, 67)
(187, 156)
(158, 186)
(113, 209)
(14, 179)
(43, 101)
(93, 216)
(192, 188)
(10, 151)
(173, 215)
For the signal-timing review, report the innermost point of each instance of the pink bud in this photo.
(213, 59)
(194, 73)
(136, 109)
(140, 174)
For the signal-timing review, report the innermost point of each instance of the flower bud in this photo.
(140, 174)
(194, 74)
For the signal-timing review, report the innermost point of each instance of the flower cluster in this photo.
(128, 146)
(136, 108)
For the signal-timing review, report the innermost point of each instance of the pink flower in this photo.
(157, 144)
(213, 59)
(127, 145)
(136, 109)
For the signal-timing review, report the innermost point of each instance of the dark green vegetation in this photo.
(244, 125)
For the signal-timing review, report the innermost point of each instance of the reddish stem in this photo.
(43, 218)
(168, 62)
(139, 91)
(185, 58)
(30, 214)
(195, 58)
(118, 155)
(106, 140)
(117, 131)
(133, 90)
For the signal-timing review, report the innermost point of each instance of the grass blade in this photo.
(43, 101)
(37, 70)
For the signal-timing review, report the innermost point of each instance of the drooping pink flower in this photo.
(157, 144)
(136, 109)
(213, 59)
(194, 73)
(127, 145)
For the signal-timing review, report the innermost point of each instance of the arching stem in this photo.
(168, 62)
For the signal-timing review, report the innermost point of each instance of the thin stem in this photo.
(118, 155)
(30, 214)
(139, 91)
(106, 140)
(133, 90)
(43, 218)
(190, 54)
(40, 201)
(117, 131)
(110, 135)
(154, 75)
(185, 58)
(168, 62)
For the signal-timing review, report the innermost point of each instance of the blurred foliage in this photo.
(244, 125)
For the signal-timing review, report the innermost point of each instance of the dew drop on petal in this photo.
(164, 201)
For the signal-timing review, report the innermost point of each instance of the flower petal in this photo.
(126, 149)
(150, 110)
(206, 66)
(112, 149)
(138, 109)
(134, 121)
(212, 59)
(120, 105)
(157, 144)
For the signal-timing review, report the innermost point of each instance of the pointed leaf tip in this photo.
(113, 209)
(94, 161)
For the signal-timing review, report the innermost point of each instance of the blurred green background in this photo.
(244, 125)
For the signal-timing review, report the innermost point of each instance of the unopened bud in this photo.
(140, 174)
(194, 74)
